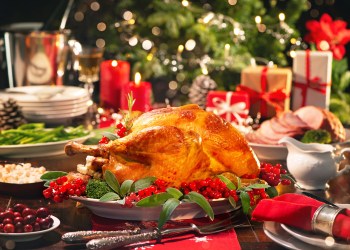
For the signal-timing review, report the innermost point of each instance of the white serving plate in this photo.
(37, 150)
(45, 94)
(186, 210)
(275, 232)
(23, 237)
(316, 240)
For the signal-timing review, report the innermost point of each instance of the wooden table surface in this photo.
(73, 218)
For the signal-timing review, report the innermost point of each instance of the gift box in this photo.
(268, 88)
(312, 74)
(232, 106)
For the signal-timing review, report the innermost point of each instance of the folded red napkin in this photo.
(297, 210)
(222, 240)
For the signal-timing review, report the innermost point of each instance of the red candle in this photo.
(141, 92)
(114, 75)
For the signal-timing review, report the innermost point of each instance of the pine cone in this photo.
(199, 90)
(11, 115)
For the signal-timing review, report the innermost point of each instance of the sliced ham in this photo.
(295, 124)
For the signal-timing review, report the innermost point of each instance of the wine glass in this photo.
(88, 59)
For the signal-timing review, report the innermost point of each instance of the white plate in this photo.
(316, 240)
(55, 106)
(37, 150)
(22, 237)
(45, 94)
(186, 210)
(57, 115)
(266, 152)
(275, 232)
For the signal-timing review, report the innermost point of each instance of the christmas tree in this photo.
(176, 41)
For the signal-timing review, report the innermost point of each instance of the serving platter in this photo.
(23, 237)
(38, 149)
(186, 210)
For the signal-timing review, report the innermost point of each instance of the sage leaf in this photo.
(229, 184)
(232, 202)
(245, 199)
(154, 200)
(168, 208)
(259, 185)
(272, 192)
(125, 187)
(52, 175)
(112, 181)
(109, 197)
(143, 183)
(110, 136)
(174, 192)
(202, 202)
(239, 183)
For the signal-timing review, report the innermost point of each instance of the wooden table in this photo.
(73, 219)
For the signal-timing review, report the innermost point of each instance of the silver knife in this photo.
(83, 236)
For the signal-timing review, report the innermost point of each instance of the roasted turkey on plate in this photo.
(175, 144)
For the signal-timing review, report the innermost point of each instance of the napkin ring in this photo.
(324, 217)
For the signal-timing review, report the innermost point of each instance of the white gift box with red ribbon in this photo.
(232, 106)
(312, 75)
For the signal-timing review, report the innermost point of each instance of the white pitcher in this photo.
(313, 164)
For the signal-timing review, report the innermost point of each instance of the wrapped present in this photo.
(312, 74)
(232, 106)
(268, 89)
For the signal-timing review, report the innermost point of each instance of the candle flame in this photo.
(137, 78)
(114, 63)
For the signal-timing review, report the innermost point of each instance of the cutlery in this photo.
(83, 236)
(316, 197)
(154, 234)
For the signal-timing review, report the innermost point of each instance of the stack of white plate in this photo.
(49, 104)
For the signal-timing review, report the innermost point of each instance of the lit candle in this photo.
(114, 75)
(141, 92)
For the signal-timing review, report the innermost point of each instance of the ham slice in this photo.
(295, 124)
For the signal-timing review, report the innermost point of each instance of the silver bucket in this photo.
(36, 57)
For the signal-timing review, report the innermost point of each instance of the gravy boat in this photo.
(313, 164)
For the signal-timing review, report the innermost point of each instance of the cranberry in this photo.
(1, 228)
(9, 214)
(42, 212)
(44, 223)
(19, 207)
(36, 226)
(29, 219)
(18, 219)
(19, 227)
(9, 228)
(7, 221)
(28, 228)
(17, 214)
(28, 211)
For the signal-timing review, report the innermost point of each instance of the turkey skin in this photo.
(175, 144)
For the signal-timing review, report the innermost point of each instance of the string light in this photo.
(185, 3)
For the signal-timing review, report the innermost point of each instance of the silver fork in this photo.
(123, 240)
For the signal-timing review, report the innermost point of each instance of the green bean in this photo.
(32, 133)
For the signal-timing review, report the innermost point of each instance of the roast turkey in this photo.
(175, 144)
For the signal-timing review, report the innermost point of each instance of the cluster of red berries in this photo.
(272, 174)
(120, 130)
(210, 188)
(256, 195)
(159, 186)
(61, 188)
(20, 218)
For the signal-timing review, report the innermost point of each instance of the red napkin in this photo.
(222, 240)
(297, 210)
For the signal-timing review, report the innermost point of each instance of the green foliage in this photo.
(340, 96)
(97, 188)
(317, 136)
(177, 24)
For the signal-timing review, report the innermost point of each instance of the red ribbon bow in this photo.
(314, 83)
(274, 97)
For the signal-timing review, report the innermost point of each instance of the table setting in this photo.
(104, 146)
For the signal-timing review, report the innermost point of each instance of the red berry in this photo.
(9, 228)
(104, 140)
